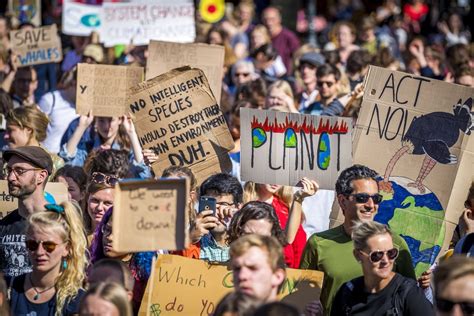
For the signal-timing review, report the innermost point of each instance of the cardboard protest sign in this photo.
(25, 11)
(150, 215)
(80, 19)
(9, 203)
(139, 22)
(183, 286)
(165, 56)
(104, 88)
(177, 116)
(282, 148)
(36, 46)
(415, 132)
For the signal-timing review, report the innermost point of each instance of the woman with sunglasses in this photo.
(56, 244)
(139, 263)
(380, 291)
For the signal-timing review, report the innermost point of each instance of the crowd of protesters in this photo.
(58, 259)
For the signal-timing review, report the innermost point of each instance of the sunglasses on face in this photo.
(376, 256)
(48, 246)
(364, 197)
(446, 306)
(327, 83)
(99, 177)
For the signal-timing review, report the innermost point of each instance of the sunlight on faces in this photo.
(98, 203)
(354, 211)
(384, 267)
(15, 136)
(107, 242)
(25, 184)
(270, 188)
(93, 305)
(108, 127)
(458, 290)
(254, 276)
(258, 38)
(222, 198)
(73, 189)
(327, 86)
(41, 259)
(257, 226)
(344, 36)
(308, 73)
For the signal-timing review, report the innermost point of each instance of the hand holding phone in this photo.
(207, 203)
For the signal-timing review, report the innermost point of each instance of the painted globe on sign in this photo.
(259, 137)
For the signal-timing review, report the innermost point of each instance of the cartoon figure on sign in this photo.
(432, 135)
(409, 207)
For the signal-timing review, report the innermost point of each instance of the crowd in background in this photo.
(59, 259)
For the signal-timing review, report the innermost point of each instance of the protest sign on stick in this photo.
(282, 148)
(183, 286)
(415, 132)
(150, 215)
(25, 11)
(104, 88)
(165, 56)
(36, 46)
(80, 19)
(177, 117)
(139, 22)
(9, 203)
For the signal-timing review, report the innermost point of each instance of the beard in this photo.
(22, 191)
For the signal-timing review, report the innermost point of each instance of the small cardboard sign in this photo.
(416, 132)
(80, 19)
(104, 88)
(282, 148)
(9, 203)
(165, 56)
(36, 46)
(138, 22)
(150, 215)
(183, 286)
(177, 116)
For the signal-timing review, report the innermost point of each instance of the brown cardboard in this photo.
(183, 286)
(150, 215)
(104, 88)
(391, 101)
(40, 45)
(9, 203)
(268, 156)
(176, 116)
(165, 56)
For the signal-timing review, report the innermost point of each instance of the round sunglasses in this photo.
(446, 306)
(48, 246)
(377, 255)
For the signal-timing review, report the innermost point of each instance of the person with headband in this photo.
(56, 245)
(380, 291)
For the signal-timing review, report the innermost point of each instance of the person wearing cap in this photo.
(93, 54)
(27, 172)
(309, 63)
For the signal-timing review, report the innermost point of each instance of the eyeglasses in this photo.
(327, 83)
(99, 177)
(33, 245)
(106, 230)
(376, 256)
(446, 306)
(364, 197)
(242, 74)
(17, 171)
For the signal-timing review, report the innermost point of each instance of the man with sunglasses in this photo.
(331, 251)
(27, 172)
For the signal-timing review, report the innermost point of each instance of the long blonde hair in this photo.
(285, 193)
(68, 224)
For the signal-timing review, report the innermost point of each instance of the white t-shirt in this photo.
(317, 209)
(61, 113)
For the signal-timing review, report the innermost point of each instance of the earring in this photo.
(64, 264)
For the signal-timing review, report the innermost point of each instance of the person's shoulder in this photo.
(332, 233)
(11, 218)
(72, 307)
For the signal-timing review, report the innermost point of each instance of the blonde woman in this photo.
(26, 126)
(280, 97)
(56, 245)
(106, 299)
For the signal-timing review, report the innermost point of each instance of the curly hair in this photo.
(356, 172)
(69, 226)
(254, 211)
(110, 161)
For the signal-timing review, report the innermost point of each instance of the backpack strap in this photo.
(399, 296)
